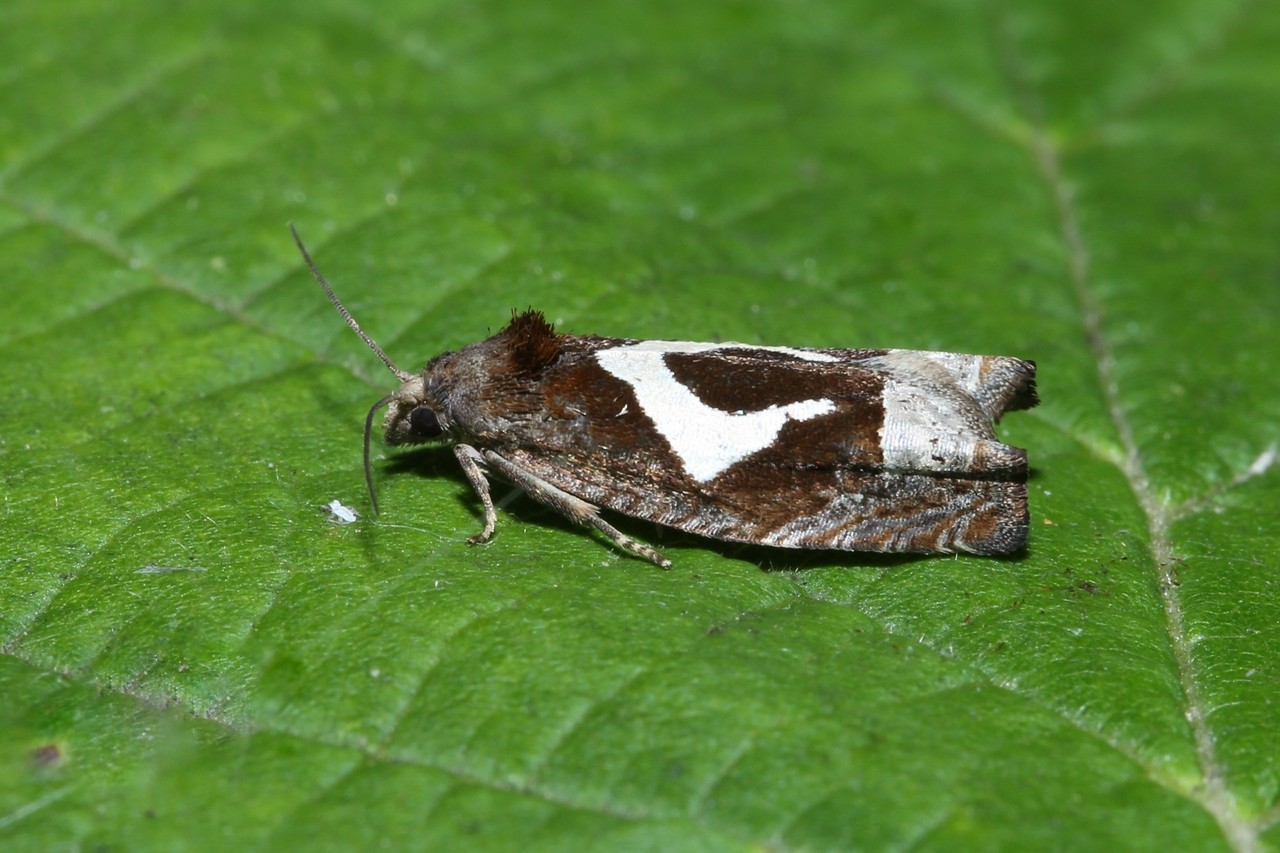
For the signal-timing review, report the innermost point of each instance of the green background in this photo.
(193, 655)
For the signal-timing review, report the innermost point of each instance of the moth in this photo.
(851, 449)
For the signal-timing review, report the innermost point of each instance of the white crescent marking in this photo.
(707, 441)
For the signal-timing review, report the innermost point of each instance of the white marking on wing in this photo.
(926, 425)
(707, 441)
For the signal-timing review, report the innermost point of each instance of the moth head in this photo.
(412, 416)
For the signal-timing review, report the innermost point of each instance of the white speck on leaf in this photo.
(339, 513)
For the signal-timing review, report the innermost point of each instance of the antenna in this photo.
(377, 350)
(403, 376)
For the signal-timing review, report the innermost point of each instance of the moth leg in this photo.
(575, 509)
(471, 461)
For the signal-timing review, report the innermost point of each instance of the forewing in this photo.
(858, 449)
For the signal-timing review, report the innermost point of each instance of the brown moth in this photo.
(851, 449)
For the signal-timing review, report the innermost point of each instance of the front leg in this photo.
(471, 461)
(573, 508)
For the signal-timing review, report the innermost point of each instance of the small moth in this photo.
(849, 449)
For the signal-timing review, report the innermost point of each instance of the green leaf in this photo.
(193, 654)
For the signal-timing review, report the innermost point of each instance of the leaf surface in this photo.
(191, 649)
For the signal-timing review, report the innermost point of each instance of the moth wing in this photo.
(842, 509)
(877, 451)
(998, 384)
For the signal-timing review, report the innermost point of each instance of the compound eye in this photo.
(424, 424)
